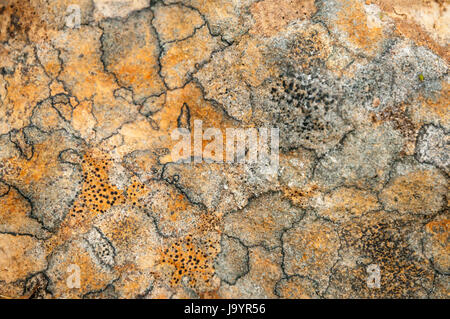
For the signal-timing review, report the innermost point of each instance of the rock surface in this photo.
(93, 203)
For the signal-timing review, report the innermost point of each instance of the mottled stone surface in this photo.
(93, 203)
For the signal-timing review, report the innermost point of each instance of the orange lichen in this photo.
(96, 197)
(188, 259)
(20, 20)
(398, 116)
(345, 203)
(311, 249)
(297, 288)
(438, 242)
(97, 194)
(423, 21)
(19, 257)
(26, 87)
(83, 121)
(181, 58)
(123, 230)
(144, 133)
(265, 272)
(139, 70)
(436, 106)
(440, 229)
(134, 61)
(82, 66)
(191, 97)
(38, 167)
(92, 276)
(15, 214)
(175, 22)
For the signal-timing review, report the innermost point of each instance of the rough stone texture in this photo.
(360, 93)
(391, 241)
(311, 249)
(433, 146)
(232, 262)
(416, 189)
(363, 159)
(296, 287)
(262, 221)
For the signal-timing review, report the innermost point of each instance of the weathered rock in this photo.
(97, 97)
(417, 189)
(311, 249)
(433, 146)
(262, 221)
(232, 262)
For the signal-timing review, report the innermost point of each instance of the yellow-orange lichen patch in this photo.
(424, 21)
(49, 58)
(96, 197)
(139, 69)
(418, 192)
(83, 121)
(186, 258)
(135, 191)
(132, 282)
(139, 135)
(38, 167)
(345, 203)
(434, 108)
(174, 213)
(176, 22)
(20, 256)
(98, 194)
(272, 15)
(15, 214)
(262, 221)
(265, 272)
(142, 134)
(122, 231)
(199, 108)
(437, 245)
(56, 88)
(311, 248)
(63, 273)
(37, 21)
(19, 19)
(361, 31)
(83, 71)
(301, 196)
(132, 54)
(180, 58)
(440, 229)
(252, 66)
(297, 288)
